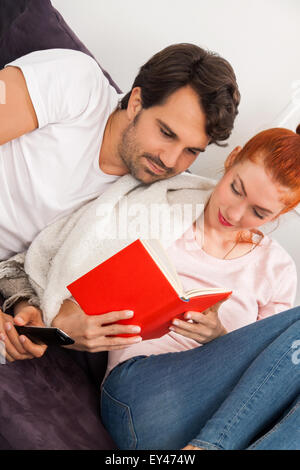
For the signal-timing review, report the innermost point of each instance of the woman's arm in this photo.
(283, 293)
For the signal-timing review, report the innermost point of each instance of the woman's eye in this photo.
(235, 190)
(258, 215)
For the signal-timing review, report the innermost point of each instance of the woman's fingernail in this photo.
(187, 316)
(175, 322)
(22, 339)
(136, 329)
(8, 326)
(138, 339)
(129, 313)
(171, 328)
(2, 337)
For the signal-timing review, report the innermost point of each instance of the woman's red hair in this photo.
(279, 151)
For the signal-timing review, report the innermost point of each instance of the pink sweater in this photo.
(264, 282)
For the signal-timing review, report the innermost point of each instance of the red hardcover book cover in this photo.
(131, 280)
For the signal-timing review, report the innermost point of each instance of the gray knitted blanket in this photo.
(76, 243)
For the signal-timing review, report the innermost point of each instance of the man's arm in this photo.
(14, 283)
(18, 295)
(17, 114)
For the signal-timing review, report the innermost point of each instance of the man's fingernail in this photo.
(8, 326)
(2, 337)
(187, 316)
(175, 322)
(22, 339)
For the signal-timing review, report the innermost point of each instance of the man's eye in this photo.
(193, 152)
(234, 189)
(165, 133)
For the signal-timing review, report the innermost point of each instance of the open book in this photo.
(141, 278)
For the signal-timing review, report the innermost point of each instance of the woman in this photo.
(241, 390)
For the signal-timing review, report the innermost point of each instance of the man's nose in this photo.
(170, 156)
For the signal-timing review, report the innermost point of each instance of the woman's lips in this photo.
(223, 221)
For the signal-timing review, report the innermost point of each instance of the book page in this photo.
(195, 292)
(159, 255)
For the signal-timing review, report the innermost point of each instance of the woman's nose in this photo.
(235, 213)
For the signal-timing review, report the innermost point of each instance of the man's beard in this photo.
(135, 159)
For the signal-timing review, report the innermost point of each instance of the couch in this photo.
(52, 402)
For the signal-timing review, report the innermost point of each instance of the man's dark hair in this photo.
(210, 76)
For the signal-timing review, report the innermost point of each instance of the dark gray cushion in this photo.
(49, 403)
(31, 25)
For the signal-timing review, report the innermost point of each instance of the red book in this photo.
(141, 278)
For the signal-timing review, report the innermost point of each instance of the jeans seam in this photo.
(204, 444)
(270, 374)
(275, 427)
(124, 405)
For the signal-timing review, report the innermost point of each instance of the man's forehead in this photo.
(183, 114)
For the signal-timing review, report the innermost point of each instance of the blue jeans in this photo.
(240, 391)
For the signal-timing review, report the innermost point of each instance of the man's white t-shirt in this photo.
(53, 170)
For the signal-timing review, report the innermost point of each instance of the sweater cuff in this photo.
(14, 283)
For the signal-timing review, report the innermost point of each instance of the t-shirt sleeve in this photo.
(61, 83)
(283, 292)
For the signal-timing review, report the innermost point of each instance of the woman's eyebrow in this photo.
(244, 191)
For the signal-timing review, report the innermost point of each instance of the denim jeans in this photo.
(240, 391)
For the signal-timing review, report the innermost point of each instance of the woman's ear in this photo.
(134, 103)
(230, 160)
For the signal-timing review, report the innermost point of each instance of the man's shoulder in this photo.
(63, 61)
(54, 55)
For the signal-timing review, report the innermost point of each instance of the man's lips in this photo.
(223, 221)
(154, 168)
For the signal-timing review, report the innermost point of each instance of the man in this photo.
(64, 138)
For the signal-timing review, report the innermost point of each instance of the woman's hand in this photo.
(15, 347)
(205, 327)
(191, 448)
(93, 333)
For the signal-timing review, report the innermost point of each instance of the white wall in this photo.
(260, 38)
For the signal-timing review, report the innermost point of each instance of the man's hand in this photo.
(92, 333)
(206, 326)
(20, 347)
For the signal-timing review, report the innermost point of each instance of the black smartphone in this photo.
(43, 335)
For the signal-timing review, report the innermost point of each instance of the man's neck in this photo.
(109, 159)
